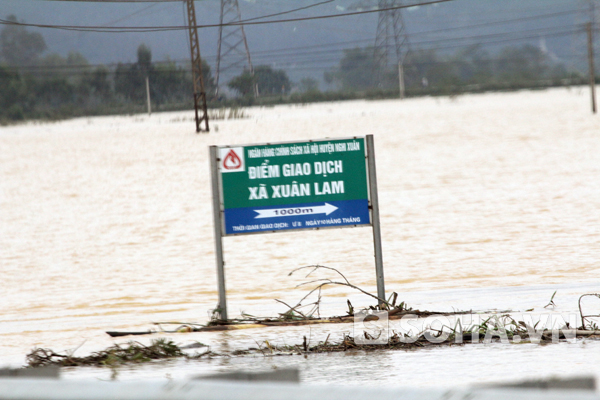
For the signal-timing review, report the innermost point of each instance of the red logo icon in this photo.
(232, 161)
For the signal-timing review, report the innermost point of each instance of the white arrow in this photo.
(292, 211)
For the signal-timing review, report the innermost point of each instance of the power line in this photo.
(278, 53)
(124, 29)
(131, 15)
(294, 64)
(428, 62)
(289, 11)
(117, 1)
(423, 33)
(535, 36)
(418, 45)
(486, 24)
(543, 31)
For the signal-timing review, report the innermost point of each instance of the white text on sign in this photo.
(324, 168)
(296, 190)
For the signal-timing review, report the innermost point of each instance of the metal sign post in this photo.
(222, 307)
(305, 185)
(375, 219)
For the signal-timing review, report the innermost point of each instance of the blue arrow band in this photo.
(349, 212)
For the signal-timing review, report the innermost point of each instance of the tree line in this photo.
(34, 85)
(470, 69)
(48, 86)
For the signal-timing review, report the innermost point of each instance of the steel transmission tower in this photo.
(197, 77)
(233, 54)
(391, 42)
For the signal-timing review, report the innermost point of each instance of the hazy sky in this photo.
(268, 42)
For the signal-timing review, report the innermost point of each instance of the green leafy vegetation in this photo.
(35, 85)
(18, 46)
(265, 79)
(472, 69)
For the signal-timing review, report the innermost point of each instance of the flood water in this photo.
(487, 202)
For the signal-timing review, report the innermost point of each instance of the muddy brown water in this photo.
(487, 201)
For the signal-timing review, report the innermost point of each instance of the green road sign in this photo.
(296, 185)
(301, 185)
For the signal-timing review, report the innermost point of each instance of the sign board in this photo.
(300, 185)
(314, 184)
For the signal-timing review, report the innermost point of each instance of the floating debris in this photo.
(294, 316)
(502, 329)
(133, 352)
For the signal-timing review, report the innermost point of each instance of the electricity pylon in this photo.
(391, 40)
(197, 78)
(232, 53)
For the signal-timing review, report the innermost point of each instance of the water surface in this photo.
(487, 201)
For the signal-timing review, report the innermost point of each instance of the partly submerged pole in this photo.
(214, 171)
(375, 220)
(591, 65)
(148, 95)
(401, 79)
